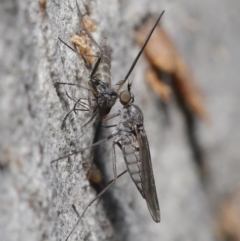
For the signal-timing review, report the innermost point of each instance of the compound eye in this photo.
(125, 97)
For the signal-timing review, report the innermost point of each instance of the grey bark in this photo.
(36, 198)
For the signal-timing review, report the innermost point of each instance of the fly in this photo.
(104, 94)
(131, 138)
(100, 88)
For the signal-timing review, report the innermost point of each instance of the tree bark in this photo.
(36, 197)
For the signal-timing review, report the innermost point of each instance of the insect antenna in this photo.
(140, 52)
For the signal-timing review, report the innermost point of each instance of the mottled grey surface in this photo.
(36, 198)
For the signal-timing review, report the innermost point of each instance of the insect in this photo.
(100, 88)
(131, 138)
(129, 135)
(104, 94)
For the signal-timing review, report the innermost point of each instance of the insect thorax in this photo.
(131, 116)
(106, 96)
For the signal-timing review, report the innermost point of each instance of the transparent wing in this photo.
(149, 189)
(132, 159)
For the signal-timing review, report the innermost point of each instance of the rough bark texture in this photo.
(36, 197)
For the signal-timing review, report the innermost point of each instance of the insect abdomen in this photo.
(103, 71)
(133, 162)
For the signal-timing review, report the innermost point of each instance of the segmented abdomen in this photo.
(103, 71)
(87, 50)
(132, 159)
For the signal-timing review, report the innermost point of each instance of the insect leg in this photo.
(84, 28)
(98, 195)
(115, 177)
(89, 122)
(68, 45)
(80, 86)
(84, 108)
(108, 117)
(94, 42)
(81, 103)
(114, 133)
(75, 210)
(95, 112)
(111, 116)
(71, 98)
(109, 126)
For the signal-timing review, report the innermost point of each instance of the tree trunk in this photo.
(37, 196)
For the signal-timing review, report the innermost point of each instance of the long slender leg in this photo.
(75, 210)
(84, 108)
(80, 86)
(81, 103)
(98, 196)
(84, 105)
(111, 116)
(85, 29)
(88, 123)
(108, 117)
(95, 112)
(114, 133)
(88, 55)
(93, 40)
(115, 176)
(108, 126)
(71, 98)
(99, 57)
(68, 45)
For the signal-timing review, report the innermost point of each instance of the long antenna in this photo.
(140, 52)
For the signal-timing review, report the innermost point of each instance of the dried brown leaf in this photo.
(157, 85)
(83, 45)
(42, 4)
(228, 222)
(93, 173)
(159, 50)
(188, 90)
(89, 23)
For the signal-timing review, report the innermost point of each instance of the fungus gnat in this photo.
(101, 90)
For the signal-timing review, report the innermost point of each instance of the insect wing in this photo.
(149, 189)
(133, 162)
